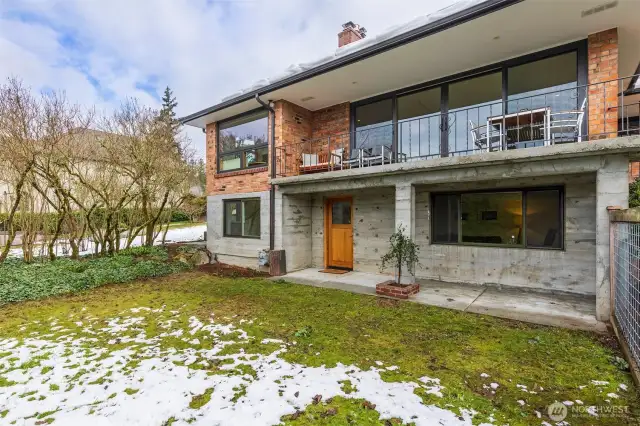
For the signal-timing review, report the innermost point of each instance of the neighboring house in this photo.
(496, 132)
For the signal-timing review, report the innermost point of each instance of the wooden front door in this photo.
(339, 233)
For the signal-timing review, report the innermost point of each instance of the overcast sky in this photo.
(101, 51)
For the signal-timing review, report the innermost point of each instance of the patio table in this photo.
(517, 120)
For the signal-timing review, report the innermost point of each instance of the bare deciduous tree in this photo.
(111, 178)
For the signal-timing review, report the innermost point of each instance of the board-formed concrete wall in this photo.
(295, 222)
(570, 270)
(373, 223)
(236, 251)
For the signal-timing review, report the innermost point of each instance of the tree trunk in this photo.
(12, 228)
(75, 251)
(54, 237)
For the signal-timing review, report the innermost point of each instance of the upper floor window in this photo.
(243, 142)
(546, 83)
(373, 125)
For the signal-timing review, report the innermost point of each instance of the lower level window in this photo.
(530, 218)
(242, 218)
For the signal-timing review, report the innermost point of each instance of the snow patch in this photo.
(145, 383)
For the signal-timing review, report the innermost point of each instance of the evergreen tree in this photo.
(634, 193)
(168, 117)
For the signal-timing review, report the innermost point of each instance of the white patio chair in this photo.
(309, 160)
(355, 159)
(321, 161)
(569, 121)
(479, 137)
(335, 159)
(378, 155)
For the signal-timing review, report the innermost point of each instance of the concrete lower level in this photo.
(558, 310)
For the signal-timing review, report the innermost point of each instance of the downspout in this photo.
(272, 189)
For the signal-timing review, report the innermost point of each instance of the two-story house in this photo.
(495, 132)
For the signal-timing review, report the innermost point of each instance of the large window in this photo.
(242, 218)
(550, 82)
(482, 109)
(530, 218)
(373, 125)
(242, 142)
(471, 103)
(419, 123)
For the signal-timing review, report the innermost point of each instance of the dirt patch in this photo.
(387, 303)
(609, 341)
(224, 270)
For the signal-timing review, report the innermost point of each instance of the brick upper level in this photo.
(293, 124)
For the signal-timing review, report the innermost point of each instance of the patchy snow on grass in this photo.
(112, 373)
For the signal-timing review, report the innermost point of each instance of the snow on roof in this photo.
(361, 44)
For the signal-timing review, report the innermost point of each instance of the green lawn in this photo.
(352, 350)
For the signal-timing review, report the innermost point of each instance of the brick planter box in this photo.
(397, 291)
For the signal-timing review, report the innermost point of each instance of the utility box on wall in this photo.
(277, 263)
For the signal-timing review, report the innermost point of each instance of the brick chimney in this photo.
(351, 32)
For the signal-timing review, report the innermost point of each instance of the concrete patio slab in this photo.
(559, 310)
(447, 295)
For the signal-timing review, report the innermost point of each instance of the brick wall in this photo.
(334, 122)
(331, 121)
(293, 128)
(603, 98)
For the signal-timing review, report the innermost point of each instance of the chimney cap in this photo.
(348, 25)
(361, 31)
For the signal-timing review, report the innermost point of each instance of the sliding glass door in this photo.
(471, 103)
(550, 82)
(521, 103)
(544, 93)
(419, 124)
(374, 125)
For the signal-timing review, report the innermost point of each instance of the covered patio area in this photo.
(545, 308)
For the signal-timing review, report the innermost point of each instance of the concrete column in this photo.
(612, 189)
(296, 230)
(405, 217)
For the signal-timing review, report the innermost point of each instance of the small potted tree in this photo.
(403, 251)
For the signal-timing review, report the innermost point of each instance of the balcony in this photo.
(570, 115)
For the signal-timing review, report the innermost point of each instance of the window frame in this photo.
(224, 217)
(524, 192)
(580, 47)
(220, 154)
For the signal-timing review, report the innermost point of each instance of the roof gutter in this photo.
(458, 18)
(272, 168)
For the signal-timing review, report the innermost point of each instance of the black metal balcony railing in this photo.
(572, 114)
